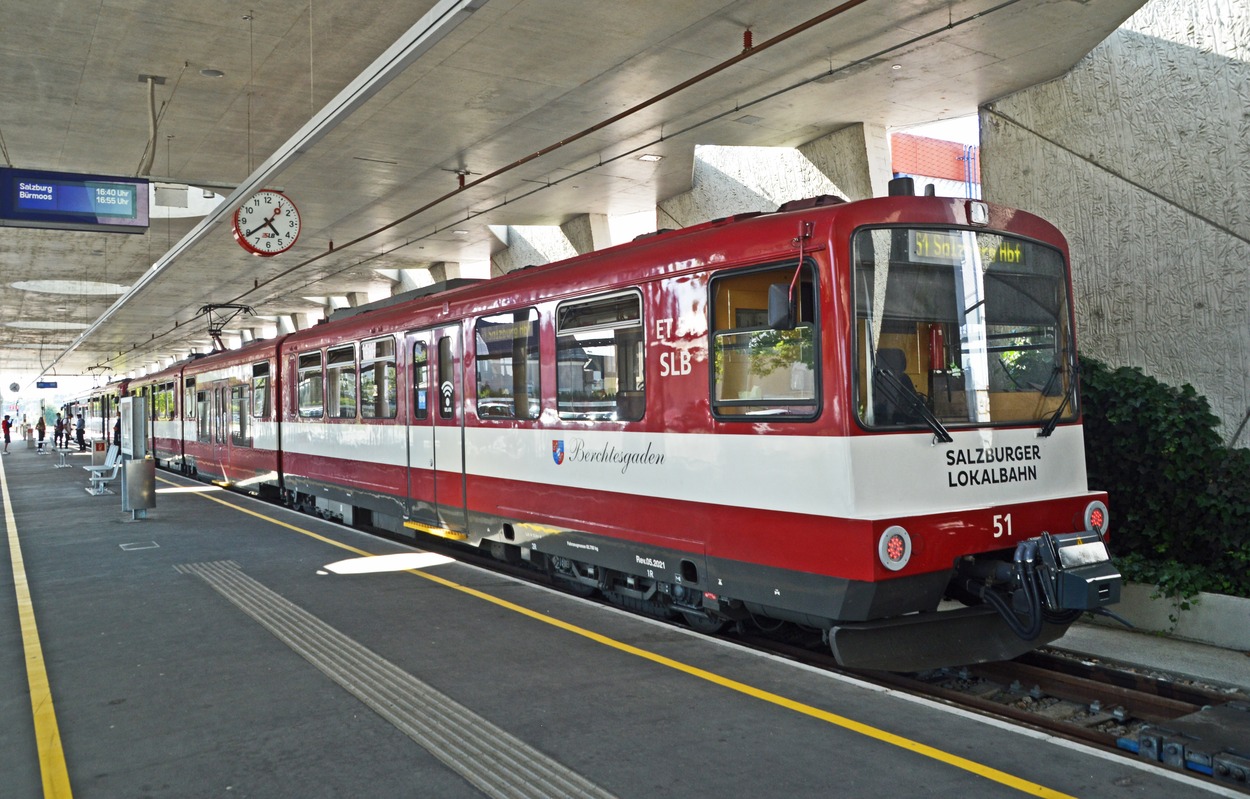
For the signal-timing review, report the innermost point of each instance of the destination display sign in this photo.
(70, 201)
(951, 247)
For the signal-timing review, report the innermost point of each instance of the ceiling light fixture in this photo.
(650, 157)
(209, 72)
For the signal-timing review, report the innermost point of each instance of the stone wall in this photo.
(1141, 155)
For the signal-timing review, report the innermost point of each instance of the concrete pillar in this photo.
(406, 279)
(588, 232)
(529, 245)
(443, 271)
(856, 158)
(307, 319)
(735, 180)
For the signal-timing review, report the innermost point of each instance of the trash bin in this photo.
(139, 484)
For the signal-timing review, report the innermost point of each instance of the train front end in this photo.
(967, 451)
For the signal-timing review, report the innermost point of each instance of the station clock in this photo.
(267, 223)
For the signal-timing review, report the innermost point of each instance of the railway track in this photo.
(1170, 719)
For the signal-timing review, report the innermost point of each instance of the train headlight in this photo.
(894, 548)
(1096, 517)
(978, 213)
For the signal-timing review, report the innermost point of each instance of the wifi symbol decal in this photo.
(446, 391)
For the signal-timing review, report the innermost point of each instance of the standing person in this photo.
(58, 433)
(7, 424)
(41, 430)
(82, 432)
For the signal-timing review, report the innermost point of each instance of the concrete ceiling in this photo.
(512, 92)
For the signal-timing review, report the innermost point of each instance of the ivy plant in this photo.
(1179, 499)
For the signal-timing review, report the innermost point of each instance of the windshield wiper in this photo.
(1049, 426)
(906, 398)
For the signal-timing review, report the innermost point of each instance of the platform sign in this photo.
(45, 384)
(70, 201)
(133, 413)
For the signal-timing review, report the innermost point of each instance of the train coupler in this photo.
(1052, 578)
(1076, 572)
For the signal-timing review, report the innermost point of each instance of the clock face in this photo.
(267, 223)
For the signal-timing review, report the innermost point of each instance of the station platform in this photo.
(226, 647)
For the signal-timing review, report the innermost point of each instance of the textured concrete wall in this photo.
(1141, 155)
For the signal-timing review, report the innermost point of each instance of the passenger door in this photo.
(436, 431)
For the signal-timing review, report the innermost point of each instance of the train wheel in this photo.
(575, 588)
(701, 622)
(642, 606)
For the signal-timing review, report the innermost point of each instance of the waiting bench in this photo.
(105, 473)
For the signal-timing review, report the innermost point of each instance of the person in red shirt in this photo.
(8, 427)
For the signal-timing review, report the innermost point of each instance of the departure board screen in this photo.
(69, 201)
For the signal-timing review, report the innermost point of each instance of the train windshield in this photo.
(960, 327)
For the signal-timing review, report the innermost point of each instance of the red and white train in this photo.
(837, 415)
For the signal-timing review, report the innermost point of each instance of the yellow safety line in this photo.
(47, 734)
(924, 750)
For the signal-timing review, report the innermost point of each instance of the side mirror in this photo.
(781, 312)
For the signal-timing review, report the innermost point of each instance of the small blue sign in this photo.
(45, 384)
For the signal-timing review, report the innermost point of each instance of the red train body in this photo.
(721, 422)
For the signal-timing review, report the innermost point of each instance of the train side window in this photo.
(760, 371)
(420, 381)
(507, 366)
(188, 398)
(341, 382)
(599, 358)
(309, 391)
(260, 390)
(158, 400)
(219, 414)
(240, 434)
(378, 390)
(203, 416)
